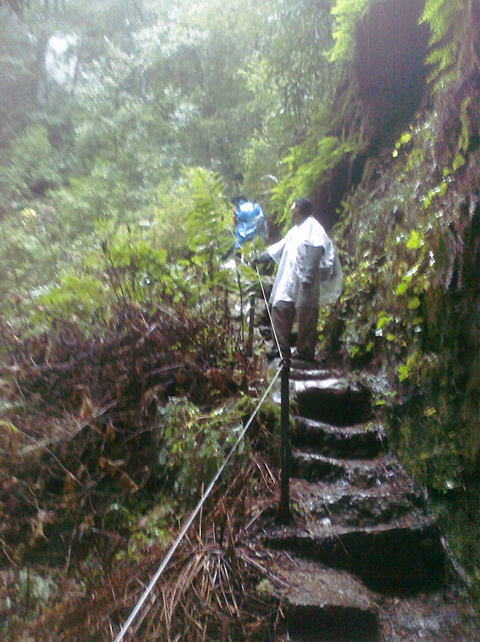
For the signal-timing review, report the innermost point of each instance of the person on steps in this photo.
(309, 275)
(249, 222)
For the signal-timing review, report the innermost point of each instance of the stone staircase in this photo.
(362, 557)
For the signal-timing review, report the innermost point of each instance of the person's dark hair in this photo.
(238, 200)
(304, 205)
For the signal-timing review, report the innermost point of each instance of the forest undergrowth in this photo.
(121, 394)
(112, 435)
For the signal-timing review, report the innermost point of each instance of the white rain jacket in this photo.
(306, 255)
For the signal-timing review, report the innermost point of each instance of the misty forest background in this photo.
(126, 128)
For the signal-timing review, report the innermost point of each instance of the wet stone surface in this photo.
(361, 473)
(360, 441)
(398, 557)
(336, 504)
(444, 616)
(317, 598)
(335, 401)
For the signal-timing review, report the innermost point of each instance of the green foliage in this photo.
(137, 112)
(101, 196)
(75, 295)
(115, 206)
(32, 166)
(407, 239)
(134, 265)
(140, 262)
(151, 529)
(346, 14)
(193, 445)
(459, 516)
(30, 248)
(431, 454)
(260, 159)
(297, 37)
(454, 59)
(208, 222)
(306, 168)
(449, 25)
(199, 75)
(20, 45)
(209, 229)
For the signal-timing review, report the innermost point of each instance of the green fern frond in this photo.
(208, 221)
(305, 176)
(449, 22)
(442, 63)
(433, 8)
(346, 14)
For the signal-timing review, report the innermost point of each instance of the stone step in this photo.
(357, 442)
(397, 557)
(320, 603)
(362, 473)
(334, 401)
(446, 615)
(302, 370)
(362, 558)
(344, 505)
